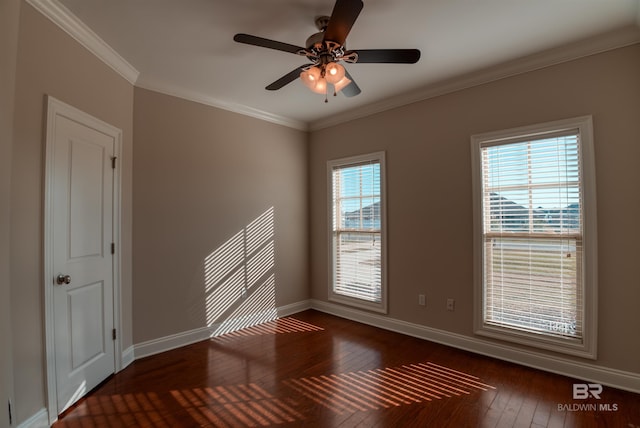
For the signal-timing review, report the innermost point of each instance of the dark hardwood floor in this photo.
(316, 370)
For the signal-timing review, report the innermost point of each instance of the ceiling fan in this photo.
(326, 48)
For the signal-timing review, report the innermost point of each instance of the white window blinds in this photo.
(356, 232)
(532, 223)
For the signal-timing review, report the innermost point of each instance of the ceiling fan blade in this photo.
(344, 15)
(266, 43)
(389, 56)
(286, 79)
(352, 89)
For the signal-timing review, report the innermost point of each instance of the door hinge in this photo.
(113, 162)
(113, 248)
(113, 334)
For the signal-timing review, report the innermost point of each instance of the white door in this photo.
(81, 201)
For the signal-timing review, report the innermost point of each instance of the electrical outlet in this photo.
(451, 304)
(421, 300)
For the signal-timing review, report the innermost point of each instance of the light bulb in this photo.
(334, 72)
(321, 86)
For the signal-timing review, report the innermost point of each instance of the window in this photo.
(357, 231)
(534, 223)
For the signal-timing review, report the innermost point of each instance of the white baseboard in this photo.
(128, 357)
(38, 420)
(294, 308)
(585, 371)
(556, 364)
(580, 370)
(156, 346)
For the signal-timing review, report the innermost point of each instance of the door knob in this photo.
(63, 279)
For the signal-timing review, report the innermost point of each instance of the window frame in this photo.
(586, 347)
(382, 306)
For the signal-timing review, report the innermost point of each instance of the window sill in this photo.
(579, 348)
(360, 304)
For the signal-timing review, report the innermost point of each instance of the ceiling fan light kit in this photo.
(326, 48)
(325, 69)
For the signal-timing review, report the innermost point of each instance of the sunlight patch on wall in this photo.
(239, 278)
(257, 308)
(235, 405)
(385, 388)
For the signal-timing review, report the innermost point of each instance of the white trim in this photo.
(117, 257)
(615, 378)
(178, 340)
(167, 343)
(293, 308)
(179, 92)
(79, 31)
(59, 108)
(40, 419)
(587, 348)
(617, 39)
(128, 357)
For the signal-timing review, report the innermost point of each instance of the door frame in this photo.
(55, 108)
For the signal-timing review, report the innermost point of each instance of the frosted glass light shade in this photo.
(320, 87)
(334, 72)
(310, 77)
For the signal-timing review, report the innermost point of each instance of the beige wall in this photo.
(9, 18)
(201, 176)
(429, 189)
(50, 62)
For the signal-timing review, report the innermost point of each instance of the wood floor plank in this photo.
(317, 370)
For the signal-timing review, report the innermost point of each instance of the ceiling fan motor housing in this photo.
(315, 40)
(322, 22)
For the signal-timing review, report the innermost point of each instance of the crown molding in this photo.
(179, 92)
(72, 25)
(625, 36)
(79, 31)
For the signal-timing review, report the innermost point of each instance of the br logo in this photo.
(582, 391)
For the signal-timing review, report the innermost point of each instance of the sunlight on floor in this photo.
(250, 405)
(235, 405)
(117, 410)
(383, 388)
(278, 326)
(253, 404)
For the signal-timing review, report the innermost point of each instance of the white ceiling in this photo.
(186, 47)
